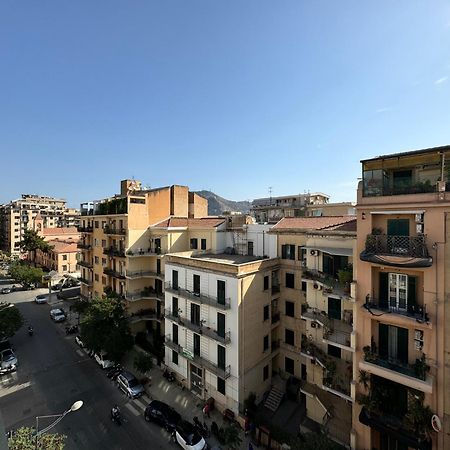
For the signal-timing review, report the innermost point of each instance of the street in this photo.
(54, 372)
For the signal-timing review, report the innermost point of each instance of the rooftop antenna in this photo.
(270, 194)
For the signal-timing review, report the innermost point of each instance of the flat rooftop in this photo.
(224, 258)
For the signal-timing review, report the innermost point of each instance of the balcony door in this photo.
(221, 325)
(397, 292)
(334, 308)
(398, 227)
(196, 282)
(221, 357)
(393, 343)
(196, 344)
(195, 314)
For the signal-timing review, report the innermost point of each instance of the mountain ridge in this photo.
(217, 205)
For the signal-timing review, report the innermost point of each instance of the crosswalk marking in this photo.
(9, 378)
(132, 409)
(138, 402)
(80, 353)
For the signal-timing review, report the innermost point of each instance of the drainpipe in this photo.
(442, 166)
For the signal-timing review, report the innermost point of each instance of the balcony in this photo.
(414, 376)
(331, 284)
(199, 298)
(199, 329)
(275, 289)
(414, 312)
(114, 251)
(136, 274)
(222, 372)
(144, 315)
(113, 273)
(145, 294)
(115, 231)
(84, 246)
(275, 345)
(275, 317)
(86, 264)
(140, 252)
(404, 251)
(85, 281)
(88, 229)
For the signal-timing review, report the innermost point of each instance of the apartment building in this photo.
(217, 321)
(19, 215)
(63, 256)
(273, 209)
(312, 313)
(121, 253)
(403, 315)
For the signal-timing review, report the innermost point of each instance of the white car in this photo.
(8, 359)
(103, 361)
(188, 438)
(58, 315)
(40, 299)
(79, 341)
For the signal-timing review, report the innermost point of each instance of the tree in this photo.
(104, 327)
(25, 274)
(31, 241)
(10, 320)
(24, 438)
(231, 437)
(142, 362)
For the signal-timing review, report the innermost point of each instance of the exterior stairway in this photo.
(274, 399)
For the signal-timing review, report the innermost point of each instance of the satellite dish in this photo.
(436, 423)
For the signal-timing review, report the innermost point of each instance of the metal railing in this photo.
(85, 281)
(112, 230)
(418, 312)
(85, 229)
(84, 246)
(198, 297)
(143, 294)
(114, 251)
(198, 328)
(145, 251)
(144, 314)
(143, 273)
(113, 273)
(86, 264)
(410, 246)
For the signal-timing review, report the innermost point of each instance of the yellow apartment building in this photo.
(403, 316)
(312, 311)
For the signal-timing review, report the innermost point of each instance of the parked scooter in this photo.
(169, 376)
(115, 415)
(30, 331)
(202, 428)
(71, 329)
(113, 372)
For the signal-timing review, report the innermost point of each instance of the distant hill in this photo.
(217, 205)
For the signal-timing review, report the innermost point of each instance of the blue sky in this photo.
(232, 96)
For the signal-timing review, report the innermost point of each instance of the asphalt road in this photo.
(53, 373)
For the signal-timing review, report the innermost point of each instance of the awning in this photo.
(332, 250)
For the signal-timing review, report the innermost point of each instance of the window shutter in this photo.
(283, 252)
(383, 290)
(383, 333)
(402, 345)
(412, 288)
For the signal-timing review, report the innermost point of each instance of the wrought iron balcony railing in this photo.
(383, 244)
(418, 312)
(84, 246)
(86, 264)
(113, 273)
(85, 229)
(216, 302)
(114, 251)
(112, 230)
(144, 294)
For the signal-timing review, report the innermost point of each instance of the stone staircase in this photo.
(274, 399)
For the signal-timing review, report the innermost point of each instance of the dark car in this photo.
(162, 414)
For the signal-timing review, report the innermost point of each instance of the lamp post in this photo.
(76, 406)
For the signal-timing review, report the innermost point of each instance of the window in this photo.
(203, 244)
(289, 365)
(304, 285)
(96, 224)
(221, 292)
(196, 344)
(398, 291)
(175, 306)
(290, 283)
(301, 253)
(220, 325)
(288, 251)
(265, 372)
(158, 266)
(103, 261)
(103, 243)
(174, 357)
(175, 279)
(250, 248)
(221, 362)
(334, 351)
(194, 243)
(266, 343)
(64, 268)
(64, 257)
(289, 337)
(95, 242)
(221, 385)
(266, 313)
(175, 333)
(96, 259)
(290, 309)
(195, 314)
(196, 282)
(96, 278)
(266, 282)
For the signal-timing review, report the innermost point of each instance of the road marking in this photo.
(146, 399)
(80, 353)
(132, 409)
(140, 404)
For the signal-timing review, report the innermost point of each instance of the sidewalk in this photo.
(183, 401)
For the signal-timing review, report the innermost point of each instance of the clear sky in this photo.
(232, 96)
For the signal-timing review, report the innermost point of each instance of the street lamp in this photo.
(76, 406)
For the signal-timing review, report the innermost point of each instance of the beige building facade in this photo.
(403, 316)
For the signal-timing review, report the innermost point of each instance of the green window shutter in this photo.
(402, 345)
(383, 290)
(398, 227)
(412, 292)
(383, 340)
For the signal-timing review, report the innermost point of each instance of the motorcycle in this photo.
(72, 329)
(30, 331)
(169, 376)
(115, 415)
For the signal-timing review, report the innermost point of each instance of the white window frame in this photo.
(398, 287)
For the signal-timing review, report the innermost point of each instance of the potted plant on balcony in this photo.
(345, 276)
(421, 368)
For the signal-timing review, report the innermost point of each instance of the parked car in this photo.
(40, 299)
(163, 414)
(7, 290)
(79, 341)
(129, 384)
(103, 360)
(58, 315)
(188, 437)
(8, 359)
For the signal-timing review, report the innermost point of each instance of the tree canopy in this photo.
(104, 327)
(31, 241)
(10, 320)
(25, 274)
(24, 438)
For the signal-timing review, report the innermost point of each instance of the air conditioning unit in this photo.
(317, 286)
(313, 325)
(304, 263)
(313, 252)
